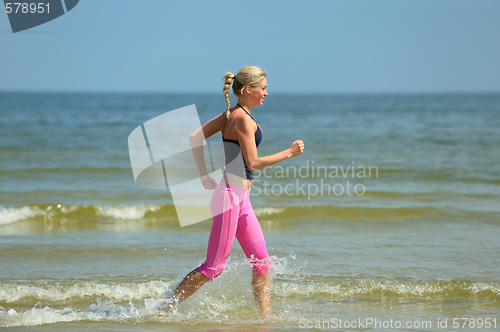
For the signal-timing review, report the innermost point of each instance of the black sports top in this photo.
(232, 149)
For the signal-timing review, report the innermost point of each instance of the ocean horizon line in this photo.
(277, 93)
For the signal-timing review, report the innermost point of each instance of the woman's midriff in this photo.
(236, 180)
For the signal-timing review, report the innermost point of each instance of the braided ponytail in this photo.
(228, 79)
(247, 76)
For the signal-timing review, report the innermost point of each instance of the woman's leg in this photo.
(225, 209)
(251, 239)
(187, 287)
(262, 292)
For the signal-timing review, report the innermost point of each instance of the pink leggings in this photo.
(233, 215)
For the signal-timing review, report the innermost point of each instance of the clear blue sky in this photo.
(351, 46)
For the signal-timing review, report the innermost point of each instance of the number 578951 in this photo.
(474, 323)
(20, 7)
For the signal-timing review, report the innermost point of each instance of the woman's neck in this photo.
(247, 106)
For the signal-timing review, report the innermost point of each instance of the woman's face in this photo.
(258, 93)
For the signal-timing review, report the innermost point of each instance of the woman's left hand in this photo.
(208, 182)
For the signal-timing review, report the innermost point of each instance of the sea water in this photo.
(390, 219)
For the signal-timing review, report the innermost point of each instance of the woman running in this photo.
(230, 205)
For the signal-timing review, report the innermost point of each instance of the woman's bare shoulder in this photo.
(245, 123)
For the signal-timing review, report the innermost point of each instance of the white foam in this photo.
(481, 286)
(58, 292)
(13, 214)
(38, 316)
(126, 212)
(146, 310)
(263, 211)
(67, 208)
(370, 286)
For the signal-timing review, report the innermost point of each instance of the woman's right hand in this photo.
(208, 182)
(296, 148)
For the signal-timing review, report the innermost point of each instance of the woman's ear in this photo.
(248, 89)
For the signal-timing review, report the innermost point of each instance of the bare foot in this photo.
(168, 306)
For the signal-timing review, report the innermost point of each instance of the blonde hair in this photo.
(247, 76)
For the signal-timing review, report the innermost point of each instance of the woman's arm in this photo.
(246, 138)
(196, 139)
